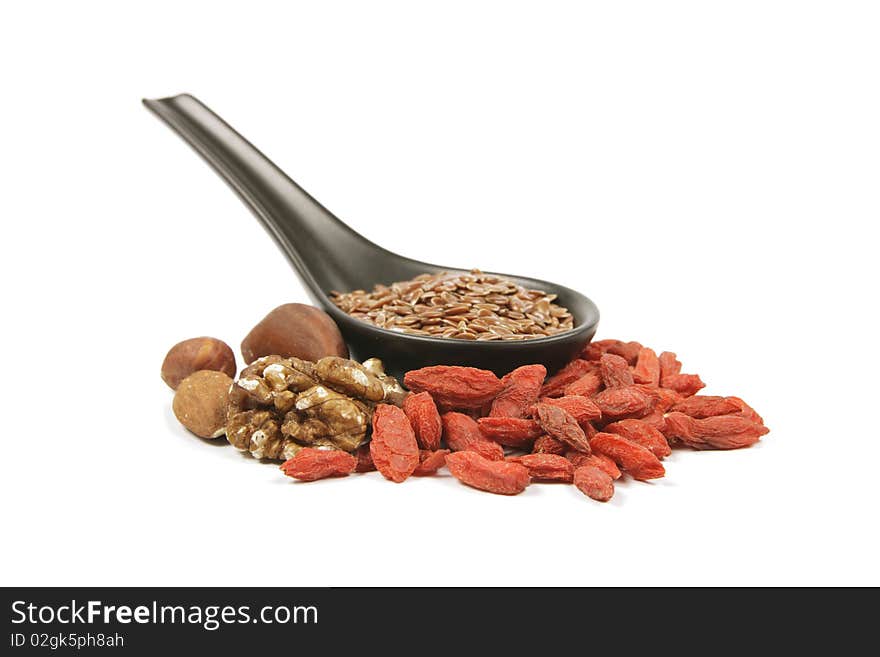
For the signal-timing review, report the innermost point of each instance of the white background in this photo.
(706, 172)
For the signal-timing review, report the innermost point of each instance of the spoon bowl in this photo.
(328, 255)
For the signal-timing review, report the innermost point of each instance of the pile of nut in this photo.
(616, 410)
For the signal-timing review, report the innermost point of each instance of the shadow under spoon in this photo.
(328, 255)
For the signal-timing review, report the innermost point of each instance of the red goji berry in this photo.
(684, 384)
(627, 350)
(669, 364)
(559, 424)
(702, 406)
(577, 458)
(586, 386)
(556, 384)
(430, 461)
(656, 419)
(590, 429)
(473, 413)
(310, 464)
(615, 371)
(424, 418)
(647, 369)
(580, 408)
(454, 386)
(393, 447)
(747, 411)
(546, 467)
(497, 477)
(619, 403)
(718, 432)
(663, 398)
(548, 445)
(461, 432)
(594, 483)
(521, 388)
(364, 460)
(642, 434)
(596, 349)
(638, 461)
(607, 465)
(510, 431)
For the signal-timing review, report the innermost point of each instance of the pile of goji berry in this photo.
(616, 409)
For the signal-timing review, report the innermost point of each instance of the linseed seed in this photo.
(474, 306)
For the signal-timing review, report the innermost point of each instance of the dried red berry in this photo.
(310, 464)
(638, 461)
(510, 431)
(462, 432)
(615, 371)
(594, 483)
(546, 467)
(521, 388)
(364, 460)
(590, 429)
(548, 445)
(393, 447)
(425, 419)
(747, 411)
(578, 458)
(627, 350)
(685, 384)
(608, 466)
(656, 419)
(669, 364)
(719, 432)
(596, 349)
(647, 369)
(642, 434)
(619, 403)
(493, 476)
(701, 406)
(672, 378)
(580, 408)
(663, 398)
(556, 384)
(586, 386)
(559, 424)
(430, 461)
(453, 386)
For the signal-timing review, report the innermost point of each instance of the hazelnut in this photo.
(194, 355)
(294, 330)
(200, 403)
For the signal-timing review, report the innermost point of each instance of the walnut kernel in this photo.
(280, 405)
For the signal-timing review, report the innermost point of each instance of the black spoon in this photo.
(328, 255)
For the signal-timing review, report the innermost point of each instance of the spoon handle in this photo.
(310, 236)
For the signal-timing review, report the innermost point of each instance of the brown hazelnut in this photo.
(200, 403)
(194, 355)
(294, 330)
